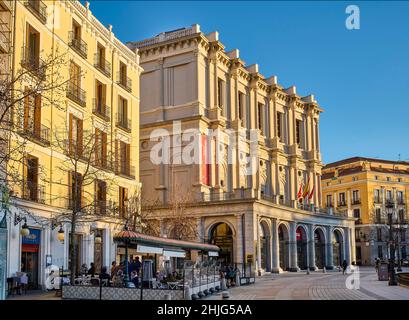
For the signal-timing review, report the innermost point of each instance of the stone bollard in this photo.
(225, 295)
(167, 297)
(308, 270)
(223, 284)
(324, 270)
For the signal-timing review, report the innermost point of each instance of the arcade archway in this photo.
(283, 247)
(222, 236)
(301, 236)
(319, 242)
(337, 248)
(264, 246)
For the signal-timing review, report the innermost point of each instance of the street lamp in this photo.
(60, 234)
(389, 206)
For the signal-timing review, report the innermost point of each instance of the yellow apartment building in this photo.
(89, 95)
(362, 186)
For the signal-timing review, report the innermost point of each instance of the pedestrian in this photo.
(138, 265)
(91, 270)
(344, 266)
(83, 269)
(113, 268)
(377, 265)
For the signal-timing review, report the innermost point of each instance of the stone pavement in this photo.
(35, 295)
(318, 286)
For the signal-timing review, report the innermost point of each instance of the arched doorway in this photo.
(264, 246)
(319, 242)
(337, 248)
(222, 236)
(283, 247)
(301, 236)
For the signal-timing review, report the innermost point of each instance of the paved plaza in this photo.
(317, 286)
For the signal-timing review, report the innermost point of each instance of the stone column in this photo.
(275, 266)
(347, 245)
(238, 242)
(293, 248)
(258, 252)
(311, 248)
(353, 246)
(329, 246)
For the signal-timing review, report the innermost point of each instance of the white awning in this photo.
(147, 249)
(213, 254)
(173, 253)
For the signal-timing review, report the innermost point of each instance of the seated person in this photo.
(135, 278)
(104, 276)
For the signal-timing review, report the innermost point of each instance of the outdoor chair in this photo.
(94, 282)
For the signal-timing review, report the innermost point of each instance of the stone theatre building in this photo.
(190, 77)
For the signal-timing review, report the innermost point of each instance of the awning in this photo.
(174, 253)
(148, 249)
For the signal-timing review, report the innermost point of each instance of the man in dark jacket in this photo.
(344, 266)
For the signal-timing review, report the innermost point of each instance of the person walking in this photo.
(377, 265)
(344, 266)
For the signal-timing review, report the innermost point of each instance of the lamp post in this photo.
(392, 275)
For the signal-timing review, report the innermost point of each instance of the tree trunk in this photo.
(72, 254)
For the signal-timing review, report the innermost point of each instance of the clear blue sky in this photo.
(359, 77)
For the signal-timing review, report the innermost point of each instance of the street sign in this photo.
(383, 272)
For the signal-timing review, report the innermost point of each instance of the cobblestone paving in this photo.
(317, 286)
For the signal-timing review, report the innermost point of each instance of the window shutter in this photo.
(26, 110)
(116, 156)
(37, 115)
(80, 137)
(69, 189)
(70, 146)
(97, 147)
(104, 148)
(128, 158)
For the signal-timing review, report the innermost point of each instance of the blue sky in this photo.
(359, 77)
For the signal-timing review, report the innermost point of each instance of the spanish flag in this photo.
(306, 189)
(300, 192)
(311, 193)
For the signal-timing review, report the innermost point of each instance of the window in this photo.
(298, 126)
(389, 195)
(75, 136)
(101, 55)
(220, 94)
(100, 148)
(32, 113)
(342, 199)
(377, 196)
(376, 178)
(399, 179)
(124, 81)
(380, 253)
(388, 178)
(260, 118)
(123, 157)
(401, 215)
(32, 50)
(30, 178)
(329, 201)
(355, 197)
(100, 196)
(280, 126)
(100, 98)
(399, 196)
(123, 197)
(75, 191)
(378, 215)
(357, 213)
(123, 120)
(241, 105)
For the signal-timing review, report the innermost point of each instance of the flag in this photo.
(306, 189)
(311, 193)
(299, 194)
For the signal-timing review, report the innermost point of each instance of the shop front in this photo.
(30, 254)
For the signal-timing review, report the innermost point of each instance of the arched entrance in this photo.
(283, 247)
(337, 248)
(222, 236)
(264, 246)
(319, 242)
(301, 236)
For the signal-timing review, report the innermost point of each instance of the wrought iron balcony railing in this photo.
(79, 45)
(126, 170)
(103, 65)
(123, 122)
(40, 134)
(38, 8)
(342, 204)
(33, 191)
(75, 93)
(356, 201)
(101, 110)
(5, 34)
(33, 63)
(124, 81)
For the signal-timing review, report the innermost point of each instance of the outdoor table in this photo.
(173, 285)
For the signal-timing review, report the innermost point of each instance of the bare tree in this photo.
(89, 173)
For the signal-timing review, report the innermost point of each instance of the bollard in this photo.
(225, 295)
(324, 270)
(308, 270)
(167, 297)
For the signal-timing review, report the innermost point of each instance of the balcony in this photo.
(401, 202)
(356, 201)
(102, 65)
(341, 204)
(358, 221)
(39, 135)
(33, 63)
(101, 110)
(102, 207)
(380, 220)
(79, 45)
(126, 170)
(37, 8)
(103, 164)
(123, 122)
(5, 33)
(76, 94)
(6, 5)
(124, 81)
(32, 191)
(377, 200)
